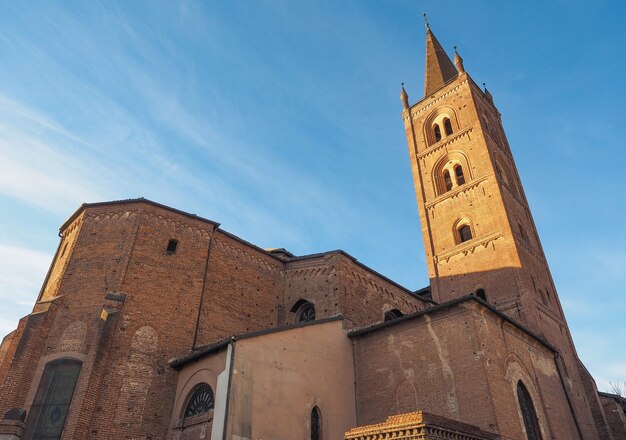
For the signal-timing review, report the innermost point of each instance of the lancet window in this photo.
(528, 413)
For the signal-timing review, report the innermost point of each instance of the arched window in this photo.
(437, 132)
(393, 314)
(458, 172)
(200, 401)
(447, 126)
(306, 313)
(316, 424)
(465, 233)
(447, 180)
(52, 401)
(528, 413)
(481, 294)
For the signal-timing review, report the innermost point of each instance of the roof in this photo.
(448, 305)
(131, 201)
(439, 67)
(280, 254)
(179, 362)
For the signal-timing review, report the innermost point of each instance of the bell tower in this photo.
(478, 232)
(479, 235)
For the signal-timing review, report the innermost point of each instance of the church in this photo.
(154, 323)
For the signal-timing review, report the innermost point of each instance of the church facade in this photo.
(153, 323)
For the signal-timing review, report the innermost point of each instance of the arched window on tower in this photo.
(447, 125)
(528, 413)
(464, 233)
(316, 424)
(447, 180)
(460, 177)
(437, 132)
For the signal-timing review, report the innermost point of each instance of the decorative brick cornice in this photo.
(240, 252)
(468, 247)
(419, 426)
(445, 142)
(452, 194)
(417, 110)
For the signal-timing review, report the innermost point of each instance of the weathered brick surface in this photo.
(119, 302)
(462, 363)
(504, 256)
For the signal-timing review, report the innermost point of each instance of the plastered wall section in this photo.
(293, 371)
(459, 363)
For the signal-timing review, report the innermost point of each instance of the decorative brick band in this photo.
(419, 425)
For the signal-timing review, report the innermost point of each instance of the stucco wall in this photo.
(293, 371)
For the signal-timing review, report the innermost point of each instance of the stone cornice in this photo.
(468, 247)
(455, 192)
(444, 142)
(424, 105)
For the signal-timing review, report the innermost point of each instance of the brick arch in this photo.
(452, 157)
(436, 115)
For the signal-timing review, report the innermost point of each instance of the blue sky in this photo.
(281, 120)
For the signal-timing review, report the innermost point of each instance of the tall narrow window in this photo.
(528, 413)
(447, 126)
(437, 132)
(465, 233)
(316, 424)
(481, 294)
(522, 232)
(52, 401)
(447, 180)
(460, 177)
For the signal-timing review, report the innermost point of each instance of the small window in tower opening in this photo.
(437, 132)
(171, 246)
(460, 177)
(447, 125)
(447, 180)
(481, 294)
(465, 233)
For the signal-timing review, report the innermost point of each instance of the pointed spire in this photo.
(405, 98)
(458, 61)
(439, 68)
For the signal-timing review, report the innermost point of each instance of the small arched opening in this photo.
(393, 314)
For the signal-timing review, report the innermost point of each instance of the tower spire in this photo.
(439, 67)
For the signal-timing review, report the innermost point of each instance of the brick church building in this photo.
(153, 323)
